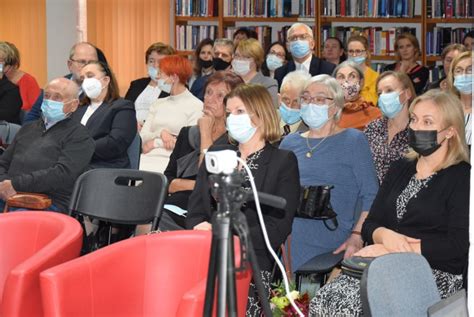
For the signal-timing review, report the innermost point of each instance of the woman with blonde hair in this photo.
(460, 84)
(421, 207)
(253, 124)
(407, 50)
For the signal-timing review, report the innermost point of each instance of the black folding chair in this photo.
(117, 196)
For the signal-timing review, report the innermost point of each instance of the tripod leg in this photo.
(231, 288)
(211, 277)
(223, 233)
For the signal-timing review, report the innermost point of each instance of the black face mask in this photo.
(205, 64)
(220, 64)
(423, 142)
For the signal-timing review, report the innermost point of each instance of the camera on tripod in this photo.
(219, 162)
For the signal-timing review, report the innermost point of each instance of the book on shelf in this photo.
(450, 9)
(268, 8)
(189, 36)
(368, 8)
(440, 37)
(202, 8)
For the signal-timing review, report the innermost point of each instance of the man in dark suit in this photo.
(300, 42)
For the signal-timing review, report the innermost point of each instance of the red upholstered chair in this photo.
(156, 275)
(31, 242)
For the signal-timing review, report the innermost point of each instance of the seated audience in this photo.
(168, 115)
(143, 92)
(468, 40)
(222, 54)
(357, 112)
(276, 56)
(202, 65)
(447, 56)
(253, 124)
(460, 84)
(110, 119)
(330, 155)
(407, 50)
(333, 51)
(300, 42)
(358, 51)
(10, 97)
(248, 59)
(422, 205)
(48, 155)
(29, 88)
(290, 103)
(243, 33)
(388, 136)
(191, 144)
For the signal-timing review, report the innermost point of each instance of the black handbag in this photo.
(355, 266)
(315, 203)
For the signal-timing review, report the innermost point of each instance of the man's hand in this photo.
(148, 146)
(6, 189)
(169, 140)
(352, 245)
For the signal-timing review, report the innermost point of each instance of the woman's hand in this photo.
(373, 250)
(169, 140)
(203, 226)
(205, 124)
(393, 241)
(148, 146)
(351, 245)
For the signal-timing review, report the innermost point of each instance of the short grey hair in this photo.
(72, 51)
(333, 87)
(224, 42)
(296, 80)
(350, 64)
(298, 25)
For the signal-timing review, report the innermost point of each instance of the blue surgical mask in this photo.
(152, 72)
(463, 83)
(389, 103)
(53, 110)
(164, 86)
(288, 115)
(359, 60)
(240, 127)
(315, 116)
(299, 48)
(273, 62)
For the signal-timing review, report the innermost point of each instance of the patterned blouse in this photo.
(383, 153)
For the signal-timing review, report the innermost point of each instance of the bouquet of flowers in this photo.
(281, 305)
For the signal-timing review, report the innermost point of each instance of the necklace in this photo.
(309, 154)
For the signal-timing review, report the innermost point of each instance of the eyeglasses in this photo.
(460, 71)
(356, 52)
(318, 100)
(80, 62)
(300, 37)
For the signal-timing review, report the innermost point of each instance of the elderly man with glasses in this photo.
(300, 43)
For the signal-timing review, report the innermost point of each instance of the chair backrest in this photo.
(134, 151)
(123, 196)
(143, 276)
(398, 284)
(8, 131)
(31, 242)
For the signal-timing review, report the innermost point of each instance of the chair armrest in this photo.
(29, 201)
(322, 263)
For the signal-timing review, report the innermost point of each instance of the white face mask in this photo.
(164, 86)
(240, 127)
(241, 67)
(92, 87)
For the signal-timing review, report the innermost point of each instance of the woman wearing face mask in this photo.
(408, 51)
(357, 111)
(144, 91)
(290, 107)
(334, 51)
(276, 56)
(388, 136)
(460, 84)
(253, 124)
(111, 120)
(168, 115)
(358, 51)
(330, 155)
(202, 60)
(422, 205)
(248, 59)
(447, 56)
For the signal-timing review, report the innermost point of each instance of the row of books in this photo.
(369, 8)
(441, 37)
(381, 41)
(189, 36)
(269, 8)
(203, 8)
(449, 8)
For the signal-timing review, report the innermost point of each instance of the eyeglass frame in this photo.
(467, 70)
(314, 99)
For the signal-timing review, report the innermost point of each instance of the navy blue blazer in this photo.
(113, 126)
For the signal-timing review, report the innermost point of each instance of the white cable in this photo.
(265, 236)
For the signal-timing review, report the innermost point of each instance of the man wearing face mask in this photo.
(300, 43)
(47, 155)
(223, 53)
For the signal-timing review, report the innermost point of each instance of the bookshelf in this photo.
(448, 16)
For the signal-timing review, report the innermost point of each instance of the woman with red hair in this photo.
(168, 115)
